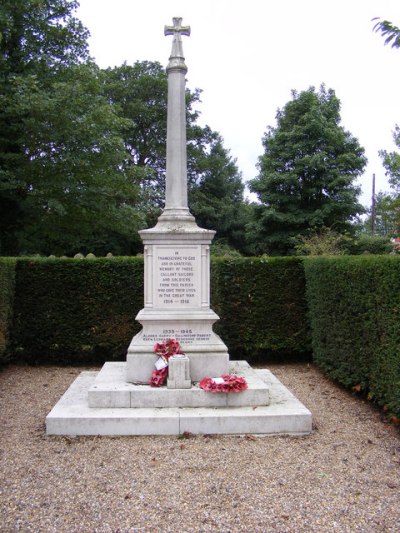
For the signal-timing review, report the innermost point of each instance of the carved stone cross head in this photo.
(177, 30)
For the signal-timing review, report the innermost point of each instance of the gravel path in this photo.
(344, 477)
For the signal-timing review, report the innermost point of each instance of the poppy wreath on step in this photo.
(225, 384)
(165, 350)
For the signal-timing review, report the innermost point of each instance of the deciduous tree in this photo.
(77, 197)
(391, 163)
(37, 39)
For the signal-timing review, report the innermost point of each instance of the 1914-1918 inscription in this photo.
(177, 274)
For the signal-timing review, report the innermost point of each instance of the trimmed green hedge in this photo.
(262, 306)
(354, 309)
(369, 244)
(7, 282)
(75, 311)
(80, 311)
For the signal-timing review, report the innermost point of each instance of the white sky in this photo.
(248, 56)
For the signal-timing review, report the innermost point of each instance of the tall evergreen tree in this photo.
(216, 194)
(307, 173)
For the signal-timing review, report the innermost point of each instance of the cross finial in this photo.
(177, 30)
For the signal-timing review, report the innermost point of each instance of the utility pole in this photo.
(373, 206)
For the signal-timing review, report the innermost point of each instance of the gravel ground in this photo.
(343, 477)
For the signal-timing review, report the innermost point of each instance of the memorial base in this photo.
(284, 414)
(111, 390)
(205, 349)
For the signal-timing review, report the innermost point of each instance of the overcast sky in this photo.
(247, 56)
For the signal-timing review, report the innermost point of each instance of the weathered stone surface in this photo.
(111, 390)
(179, 373)
(284, 415)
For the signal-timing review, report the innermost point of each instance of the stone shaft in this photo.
(176, 176)
(176, 197)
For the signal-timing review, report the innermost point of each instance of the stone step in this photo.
(110, 390)
(285, 415)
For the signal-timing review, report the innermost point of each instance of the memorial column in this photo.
(176, 200)
(177, 257)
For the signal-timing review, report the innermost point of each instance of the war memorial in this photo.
(194, 387)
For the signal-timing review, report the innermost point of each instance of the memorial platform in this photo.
(284, 415)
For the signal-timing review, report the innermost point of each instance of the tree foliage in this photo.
(323, 242)
(307, 172)
(216, 195)
(39, 42)
(385, 216)
(388, 205)
(139, 93)
(78, 199)
(391, 163)
(38, 37)
(389, 31)
(83, 151)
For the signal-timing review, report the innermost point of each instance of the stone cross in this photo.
(176, 201)
(177, 30)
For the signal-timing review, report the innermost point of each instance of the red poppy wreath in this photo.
(165, 350)
(223, 384)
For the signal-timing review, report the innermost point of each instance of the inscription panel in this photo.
(177, 271)
(186, 336)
